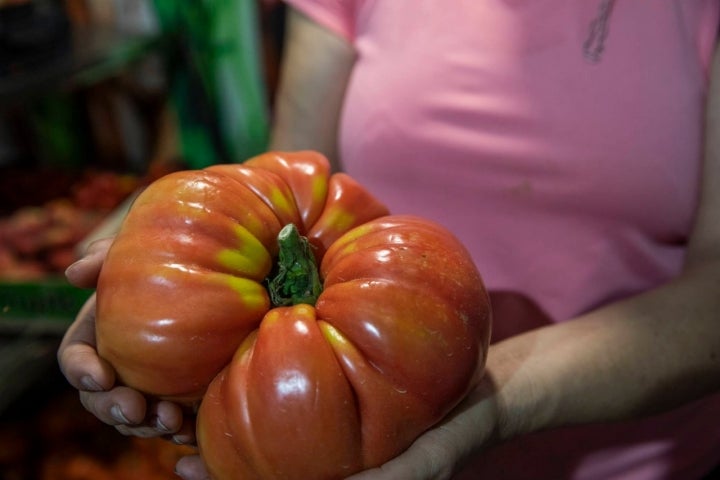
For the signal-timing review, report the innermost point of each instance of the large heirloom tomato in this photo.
(210, 295)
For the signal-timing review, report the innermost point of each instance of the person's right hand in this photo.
(126, 409)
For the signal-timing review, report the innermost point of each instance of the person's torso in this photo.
(561, 141)
(571, 179)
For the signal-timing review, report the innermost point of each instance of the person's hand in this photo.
(126, 409)
(442, 451)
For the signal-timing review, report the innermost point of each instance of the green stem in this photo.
(297, 280)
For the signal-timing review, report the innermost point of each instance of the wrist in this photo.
(520, 401)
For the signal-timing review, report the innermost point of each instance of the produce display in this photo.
(37, 242)
(314, 334)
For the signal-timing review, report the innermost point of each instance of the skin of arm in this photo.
(315, 70)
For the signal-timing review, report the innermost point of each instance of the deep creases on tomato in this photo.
(393, 342)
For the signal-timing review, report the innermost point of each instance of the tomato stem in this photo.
(297, 280)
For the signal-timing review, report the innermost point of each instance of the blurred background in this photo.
(98, 98)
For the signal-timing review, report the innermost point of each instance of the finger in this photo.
(84, 273)
(186, 434)
(167, 417)
(77, 355)
(162, 419)
(191, 468)
(121, 406)
(432, 457)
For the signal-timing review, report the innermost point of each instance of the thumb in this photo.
(441, 451)
(84, 272)
(433, 456)
(77, 355)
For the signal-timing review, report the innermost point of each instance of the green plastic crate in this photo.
(45, 307)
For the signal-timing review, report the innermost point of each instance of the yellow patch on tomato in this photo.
(253, 294)
(340, 219)
(271, 317)
(249, 256)
(303, 310)
(281, 202)
(319, 189)
(333, 335)
(348, 242)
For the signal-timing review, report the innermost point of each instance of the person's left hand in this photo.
(441, 452)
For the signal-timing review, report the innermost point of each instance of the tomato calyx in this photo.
(297, 280)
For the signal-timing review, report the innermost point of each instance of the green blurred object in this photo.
(42, 307)
(56, 118)
(216, 82)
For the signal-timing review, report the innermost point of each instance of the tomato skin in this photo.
(166, 267)
(418, 311)
(394, 341)
(406, 315)
(183, 283)
(285, 399)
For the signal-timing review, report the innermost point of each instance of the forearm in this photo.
(315, 71)
(634, 357)
(630, 358)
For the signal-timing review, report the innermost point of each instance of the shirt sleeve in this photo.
(335, 15)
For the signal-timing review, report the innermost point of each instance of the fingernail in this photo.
(89, 384)
(117, 414)
(181, 439)
(159, 425)
(74, 265)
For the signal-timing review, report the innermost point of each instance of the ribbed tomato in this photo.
(210, 294)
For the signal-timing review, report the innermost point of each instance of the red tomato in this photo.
(385, 344)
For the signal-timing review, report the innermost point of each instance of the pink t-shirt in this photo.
(573, 182)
